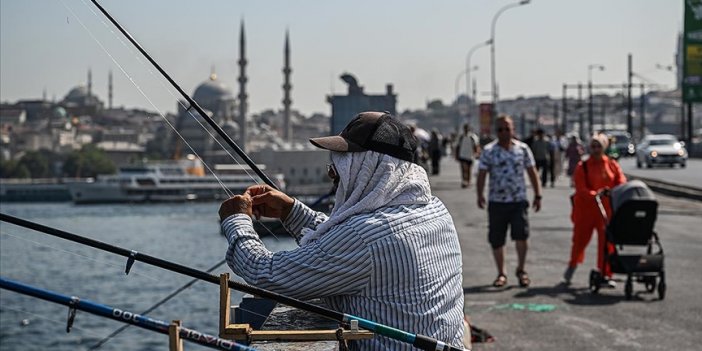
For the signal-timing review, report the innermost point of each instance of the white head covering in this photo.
(368, 181)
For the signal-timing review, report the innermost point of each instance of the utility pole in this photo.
(564, 124)
(642, 120)
(629, 105)
(580, 112)
(590, 119)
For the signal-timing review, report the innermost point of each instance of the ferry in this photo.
(167, 181)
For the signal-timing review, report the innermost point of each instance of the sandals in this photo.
(500, 281)
(523, 278)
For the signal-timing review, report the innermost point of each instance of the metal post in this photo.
(642, 118)
(629, 103)
(688, 141)
(492, 52)
(564, 124)
(581, 127)
(590, 119)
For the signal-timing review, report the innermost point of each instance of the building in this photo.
(220, 104)
(345, 107)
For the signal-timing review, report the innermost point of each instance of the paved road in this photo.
(690, 176)
(580, 321)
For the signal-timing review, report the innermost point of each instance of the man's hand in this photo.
(481, 201)
(234, 205)
(268, 202)
(537, 203)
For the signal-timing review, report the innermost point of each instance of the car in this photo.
(661, 149)
(622, 142)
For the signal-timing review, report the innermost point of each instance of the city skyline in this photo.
(419, 49)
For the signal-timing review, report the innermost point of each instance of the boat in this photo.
(166, 181)
(34, 190)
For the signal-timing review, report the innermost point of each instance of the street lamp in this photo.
(458, 78)
(468, 70)
(492, 49)
(590, 113)
(678, 85)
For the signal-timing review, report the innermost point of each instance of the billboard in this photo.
(692, 52)
(485, 119)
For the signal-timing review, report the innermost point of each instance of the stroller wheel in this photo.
(594, 284)
(661, 287)
(628, 288)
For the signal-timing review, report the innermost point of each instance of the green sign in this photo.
(692, 52)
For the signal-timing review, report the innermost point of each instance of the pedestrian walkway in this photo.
(548, 316)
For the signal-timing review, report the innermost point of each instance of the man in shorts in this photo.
(467, 148)
(505, 160)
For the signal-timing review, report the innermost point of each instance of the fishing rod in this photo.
(417, 340)
(74, 303)
(193, 103)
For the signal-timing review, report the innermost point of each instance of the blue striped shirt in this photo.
(399, 266)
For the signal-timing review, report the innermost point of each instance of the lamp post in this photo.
(492, 50)
(458, 79)
(669, 68)
(590, 113)
(468, 70)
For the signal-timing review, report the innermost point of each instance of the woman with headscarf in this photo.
(596, 174)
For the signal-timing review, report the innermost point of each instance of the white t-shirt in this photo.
(466, 146)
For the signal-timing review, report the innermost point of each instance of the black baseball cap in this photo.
(372, 131)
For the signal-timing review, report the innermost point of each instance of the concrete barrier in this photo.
(671, 189)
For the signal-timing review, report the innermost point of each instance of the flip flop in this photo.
(524, 280)
(500, 281)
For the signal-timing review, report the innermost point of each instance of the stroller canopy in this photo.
(633, 190)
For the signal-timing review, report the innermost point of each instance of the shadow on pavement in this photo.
(482, 289)
(582, 296)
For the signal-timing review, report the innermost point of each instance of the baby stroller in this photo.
(634, 211)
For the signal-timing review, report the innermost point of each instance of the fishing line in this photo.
(155, 306)
(227, 191)
(257, 181)
(120, 266)
(159, 79)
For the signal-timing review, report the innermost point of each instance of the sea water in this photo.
(186, 233)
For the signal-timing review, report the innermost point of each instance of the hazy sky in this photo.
(419, 46)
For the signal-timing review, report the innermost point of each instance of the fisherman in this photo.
(388, 252)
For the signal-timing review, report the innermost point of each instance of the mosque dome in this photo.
(211, 90)
(77, 94)
(59, 113)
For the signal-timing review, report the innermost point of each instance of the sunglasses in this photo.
(500, 130)
(595, 146)
(331, 171)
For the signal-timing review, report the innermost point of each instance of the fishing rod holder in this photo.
(246, 333)
(130, 262)
(71, 312)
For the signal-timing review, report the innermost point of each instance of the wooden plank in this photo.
(174, 341)
(224, 303)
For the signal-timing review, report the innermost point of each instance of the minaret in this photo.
(242, 87)
(287, 129)
(109, 90)
(90, 82)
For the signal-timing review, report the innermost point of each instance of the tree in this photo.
(11, 169)
(36, 163)
(89, 161)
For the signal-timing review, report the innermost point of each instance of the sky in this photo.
(418, 46)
